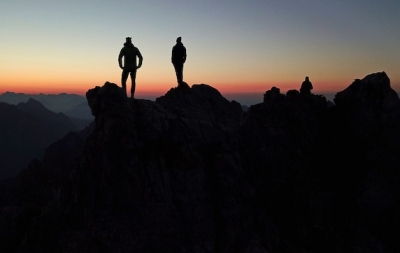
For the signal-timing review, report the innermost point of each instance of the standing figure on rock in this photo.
(129, 52)
(306, 87)
(178, 58)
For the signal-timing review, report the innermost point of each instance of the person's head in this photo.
(179, 39)
(128, 40)
(307, 78)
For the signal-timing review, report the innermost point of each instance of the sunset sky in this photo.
(242, 47)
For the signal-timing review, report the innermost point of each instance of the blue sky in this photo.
(235, 46)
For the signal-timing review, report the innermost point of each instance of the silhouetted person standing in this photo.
(129, 52)
(306, 87)
(178, 58)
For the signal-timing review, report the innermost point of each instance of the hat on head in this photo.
(128, 39)
(178, 39)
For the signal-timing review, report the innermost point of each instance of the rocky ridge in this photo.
(192, 172)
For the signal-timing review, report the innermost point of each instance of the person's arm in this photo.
(120, 59)
(184, 54)
(139, 55)
(172, 54)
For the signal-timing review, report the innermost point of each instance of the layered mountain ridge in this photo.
(26, 129)
(71, 105)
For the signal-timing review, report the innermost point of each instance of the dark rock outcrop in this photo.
(192, 172)
(169, 170)
(369, 116)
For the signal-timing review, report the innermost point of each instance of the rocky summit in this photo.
(192, 172)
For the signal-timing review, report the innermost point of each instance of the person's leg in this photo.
(178, 71)
(124, 77)
(133, 80)
(181, 73)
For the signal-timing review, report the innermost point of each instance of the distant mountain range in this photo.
(55, 102)
(26, 129)
(72, 105)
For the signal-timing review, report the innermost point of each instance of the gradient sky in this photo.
(54, 46)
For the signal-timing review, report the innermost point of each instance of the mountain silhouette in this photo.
(26, 130)
(193, 172)
(71, 105)
(54, 102)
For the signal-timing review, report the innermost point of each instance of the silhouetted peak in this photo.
(39, 110)
(203, 110)
(273, 95)
(109, 97)
(113, 114)
(373, 91)
(292, 94)
(372, 106)
(294, 99)
(9, 93)
(32, 104)
(183, 86)
(206, 91)
(201, 98)
(379, 79)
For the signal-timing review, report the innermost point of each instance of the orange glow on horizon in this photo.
(319, 87)
(147, 89)
(160, 89)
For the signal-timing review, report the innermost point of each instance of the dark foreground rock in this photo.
(192, 172)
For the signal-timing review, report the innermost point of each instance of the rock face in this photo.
(192, 172)
(369, 116)
(170, 170)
